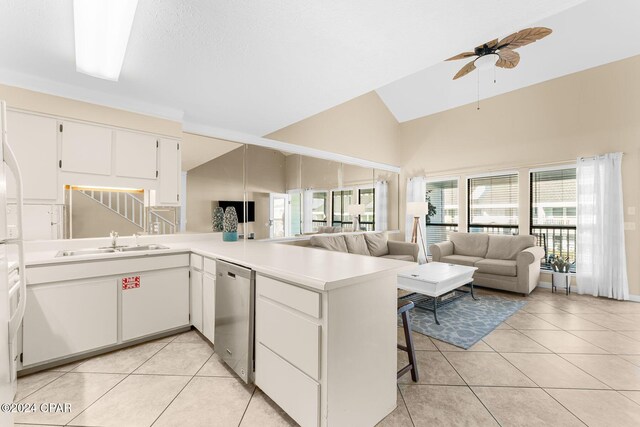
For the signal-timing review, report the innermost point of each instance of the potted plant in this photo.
(560, 275)
(432, 207)
(230, 225)
(217, 219)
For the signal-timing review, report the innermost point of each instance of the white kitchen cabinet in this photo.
(136, 155)
(169, 173)
(196, 299)
(159, 303)
(66, 318)
(34, 140)
(208, 305)
(86, 148)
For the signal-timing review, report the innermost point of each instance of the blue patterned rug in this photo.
(464, 322)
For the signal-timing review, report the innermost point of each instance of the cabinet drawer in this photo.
(196, 261)
(292, 337)
(292, 390)
(300, 299)
(210, 266)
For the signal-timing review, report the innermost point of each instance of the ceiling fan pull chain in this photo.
(495, 70)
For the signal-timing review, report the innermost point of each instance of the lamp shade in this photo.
(416, 209)
(356, 209)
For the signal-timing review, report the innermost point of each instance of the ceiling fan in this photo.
(500, 53)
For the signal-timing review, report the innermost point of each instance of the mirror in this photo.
(283, 195)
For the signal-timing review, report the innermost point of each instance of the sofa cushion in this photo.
(356, 244)
(328, 229)
(400, 257)
(332, 243)
(508, 247)
(499, 267)
(377, 243)
(461, 259)
(470, 244)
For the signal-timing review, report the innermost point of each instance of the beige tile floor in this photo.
(561, 360)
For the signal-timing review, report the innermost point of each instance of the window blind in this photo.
(553, 197)
(443, 196)
(493, 201)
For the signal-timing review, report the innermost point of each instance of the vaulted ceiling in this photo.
(257, 66)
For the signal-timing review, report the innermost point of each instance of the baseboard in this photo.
(547, 285)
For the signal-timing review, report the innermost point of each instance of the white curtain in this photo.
(600, 254)
(416, 188)
(307, 211)
(381, 195)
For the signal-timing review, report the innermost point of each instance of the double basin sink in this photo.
(110, 250)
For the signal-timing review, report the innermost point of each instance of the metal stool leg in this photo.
(406, 325)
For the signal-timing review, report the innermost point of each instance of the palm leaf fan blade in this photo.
(462, 55)
(524, 37)
(465, 70)
(508, 58)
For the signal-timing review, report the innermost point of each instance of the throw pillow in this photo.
(356, 244)
(377, 243)
(332, 243)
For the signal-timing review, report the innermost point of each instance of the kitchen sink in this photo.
(110, 250)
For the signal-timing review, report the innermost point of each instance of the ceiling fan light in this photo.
(486, 61)
(101, 30)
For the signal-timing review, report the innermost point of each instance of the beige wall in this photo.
(362, 128)
(91, 219)
(591, 112)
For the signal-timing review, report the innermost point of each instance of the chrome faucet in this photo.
(114, 239)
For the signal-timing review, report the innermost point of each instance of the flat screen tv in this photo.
(239, 205)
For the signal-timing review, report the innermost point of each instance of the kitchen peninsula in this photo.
(325, 322)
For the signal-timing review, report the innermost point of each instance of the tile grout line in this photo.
(115, 385)
(172, 400)
(247, 407)
(405, 405)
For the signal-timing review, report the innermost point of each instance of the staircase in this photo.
(132, 208)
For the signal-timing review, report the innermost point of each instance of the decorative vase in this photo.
(230, 225)
(229, 236)
(217, 219)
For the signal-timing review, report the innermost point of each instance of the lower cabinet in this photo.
(66, 318)
(155, 302)
(196, 299)
(208, 305)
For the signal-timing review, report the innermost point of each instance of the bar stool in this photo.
(403, 308)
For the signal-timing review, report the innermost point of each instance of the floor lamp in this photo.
(355, 211)
(418, 210)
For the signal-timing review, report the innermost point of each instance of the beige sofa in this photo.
(372, 244)
(510, 263)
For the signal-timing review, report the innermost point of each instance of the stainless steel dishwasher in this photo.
(233, 335)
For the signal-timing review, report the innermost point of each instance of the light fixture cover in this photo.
(102, 29)
(417, 209)
(486, 61)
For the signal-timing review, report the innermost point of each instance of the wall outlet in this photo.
(629, 226)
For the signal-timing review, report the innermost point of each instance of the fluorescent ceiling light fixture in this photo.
(102, 29)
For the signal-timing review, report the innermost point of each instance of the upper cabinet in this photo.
(169, 170)
(33, 140)
(86, 148)
(136, 155)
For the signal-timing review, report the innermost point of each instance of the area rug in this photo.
(465, 321)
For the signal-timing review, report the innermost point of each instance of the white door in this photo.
(169, 170)
(278, 215)
(34, 140)
(136, 155)
(86, 148)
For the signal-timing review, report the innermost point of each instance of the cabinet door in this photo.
(159, 303)
(136, 155)
(196, 299)
(169, 172)
(67, 318)
(34, 140)
(86, 148)
(208, 305)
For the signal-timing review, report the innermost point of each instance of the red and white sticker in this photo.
(132, 282)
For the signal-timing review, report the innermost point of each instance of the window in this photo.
(319, 209)
(295, 204)
(493, 204)
(443, 196)
(366, 197)
(340, 203)
(553, 213)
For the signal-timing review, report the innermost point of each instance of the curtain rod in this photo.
(594, 157)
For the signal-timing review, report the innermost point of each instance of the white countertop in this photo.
(314, 268)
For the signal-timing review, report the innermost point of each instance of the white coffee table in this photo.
(430, 282)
